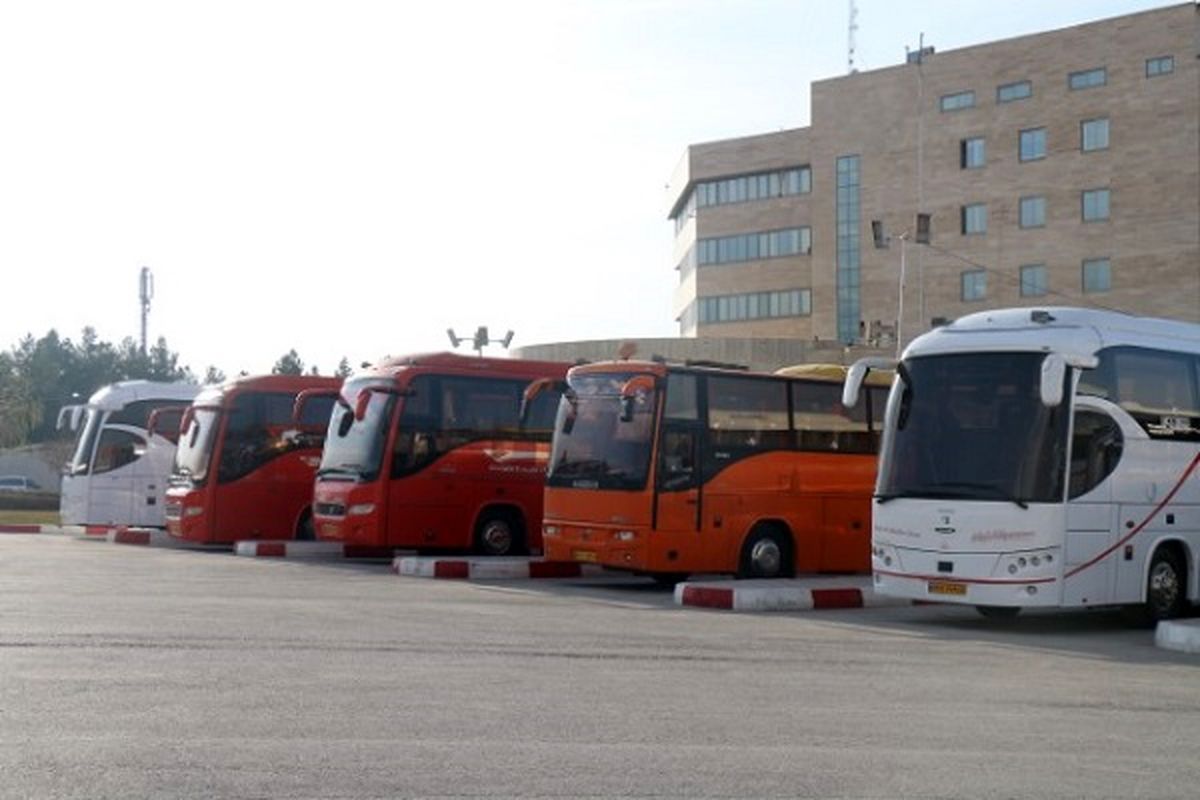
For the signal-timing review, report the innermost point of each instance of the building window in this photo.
(1093, 134)
(958, 101)
(755, 186)
(1097, 275)
(974, 285)
(1033, 280)
(1088, 78)
(1014, 91)
(754, 246)
(1095, 205)
(848, 220)
(974, 218)
(1163, 65)
(1032, 144)
(972, 153)
(757, 305)
(1033, 212)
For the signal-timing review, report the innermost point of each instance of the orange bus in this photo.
(669, 470)
(430, 452)
(243, 468)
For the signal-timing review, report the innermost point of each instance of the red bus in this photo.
(431, 452)
(670, 470)
(243, 468)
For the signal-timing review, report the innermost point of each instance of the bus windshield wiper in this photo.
(344, 469)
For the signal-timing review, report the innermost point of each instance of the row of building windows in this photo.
(745, 188)
(754, 246)
(1094, 206)
(1095, 276)
(1081, 79)
(756, 305)
(1031, 143)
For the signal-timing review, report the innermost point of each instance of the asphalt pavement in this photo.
(140, 672)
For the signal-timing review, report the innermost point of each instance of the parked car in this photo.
(18, 483)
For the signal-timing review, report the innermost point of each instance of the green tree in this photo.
(213, 375)
(343, 368)
(288, 364)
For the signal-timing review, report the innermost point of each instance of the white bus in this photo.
(1042, 458)
(117, 475)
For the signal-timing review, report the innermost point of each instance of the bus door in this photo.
(1091, 525)
(677, 483)
(114, 486)
(424, 484)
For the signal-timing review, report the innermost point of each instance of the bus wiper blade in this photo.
(345, 469)
(996, 491)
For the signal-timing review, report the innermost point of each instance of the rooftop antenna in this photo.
(850, 68)
(145, 292)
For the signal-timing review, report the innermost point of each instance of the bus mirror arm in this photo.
(858, 373)
(535, 390)
(156, 415)
(304, 397)
(1054, 370)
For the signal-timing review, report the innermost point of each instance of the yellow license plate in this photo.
(948, 587)
(329, 529)
(583, 555)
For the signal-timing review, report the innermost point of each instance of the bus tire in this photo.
(305, 532)
(999, 613)
(766, 553)
(499, 532)
(1166, 582)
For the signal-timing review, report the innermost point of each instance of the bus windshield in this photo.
(594, 448)
(353, 447)
(973, 426)
(195, 446)
(85, 442)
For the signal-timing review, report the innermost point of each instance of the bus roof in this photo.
(216, 395)
(1073, 332)
(834, 373)
(395, 366)
(116, 396)
(831, 373)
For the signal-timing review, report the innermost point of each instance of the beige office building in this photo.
(1061, 168)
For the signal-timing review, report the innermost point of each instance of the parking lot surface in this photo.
(128, 672)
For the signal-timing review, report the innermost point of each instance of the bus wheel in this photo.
(767, 553)
(1165, 586)
(305, 532)
(999, 612)
(498, 534)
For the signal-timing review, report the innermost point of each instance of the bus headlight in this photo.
(1039, 563)
(883, 555)
(358, 509)
(624, 536)
(193, 511)
(549, 530)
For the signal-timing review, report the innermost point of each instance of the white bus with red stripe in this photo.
(1042, 458)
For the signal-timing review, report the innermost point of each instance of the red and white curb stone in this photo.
(801, 594)
(145, 537)
(290, 549)
(489, 568)
(1182, 636)
(77, 530)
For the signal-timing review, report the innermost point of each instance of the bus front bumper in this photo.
(1017, 579)
(619, 547)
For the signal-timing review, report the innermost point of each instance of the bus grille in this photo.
(331, 509)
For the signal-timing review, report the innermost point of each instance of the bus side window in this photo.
(677, 466)
(1095, 450)
(116, 449)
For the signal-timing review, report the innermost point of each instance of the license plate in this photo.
(583, 555)
(948, 587)
(329, 529)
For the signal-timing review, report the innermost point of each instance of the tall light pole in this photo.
(145, 293)
(480, 340)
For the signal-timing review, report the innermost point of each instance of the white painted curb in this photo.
(1183, 636)
(145, 537)
(313, 550)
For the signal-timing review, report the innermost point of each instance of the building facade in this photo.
(1061, 168)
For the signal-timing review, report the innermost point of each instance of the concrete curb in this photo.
(310, 550)
(58, 530)
(489, 568)
(145, 537)
(801, 594)
(1182, 636)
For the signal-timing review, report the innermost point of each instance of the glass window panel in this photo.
(1086, 79)
(1014, 91)
(1033, 280)
(1093, 134)
(1097, 275)
(1032, 144)
(1095, 205)
(1033, 212)
(1163, 65)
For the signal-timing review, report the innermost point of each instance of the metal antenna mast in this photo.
(145, 292)
(850, 68)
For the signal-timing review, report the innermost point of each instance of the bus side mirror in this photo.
(857, 374)
(636, 387)
(188, 415)
(360, 404)
(1054, 371)
(69, 415)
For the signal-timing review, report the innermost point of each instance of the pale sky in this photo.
(352, 178)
